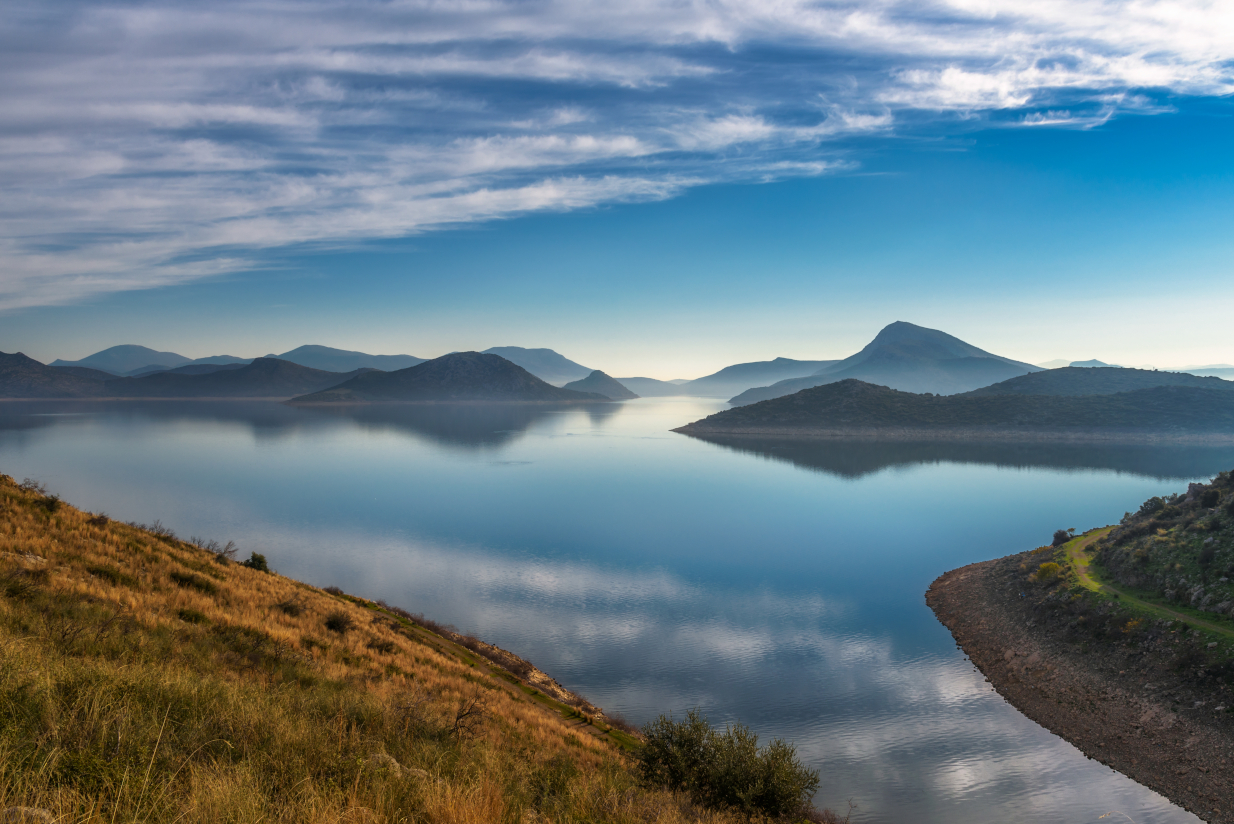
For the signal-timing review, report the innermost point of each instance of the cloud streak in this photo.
(152, 144)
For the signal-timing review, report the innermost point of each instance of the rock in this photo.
(26, 815)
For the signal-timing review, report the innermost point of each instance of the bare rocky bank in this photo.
(1126, 705)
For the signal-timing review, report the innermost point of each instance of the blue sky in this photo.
(650, 188)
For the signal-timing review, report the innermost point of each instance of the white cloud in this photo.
(145, 146)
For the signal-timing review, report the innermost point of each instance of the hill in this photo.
(125, 358)
(906, 357)
(1086, 380)
(23, 377)
(263, 378)
(651, 387)
(85, 372)
(601, 384)
(545, 364)
(459, 376)
(852, 407)
(1093, 364)
(343, 360)
(735, 379)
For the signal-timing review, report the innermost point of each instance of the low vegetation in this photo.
(1158, 584)
(145, 678)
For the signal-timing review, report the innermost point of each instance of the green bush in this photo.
(256, 561)
(725, 769)
(188, 579)
(1047, 572)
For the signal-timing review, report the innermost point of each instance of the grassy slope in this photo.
(141, 680)
(1147, 581)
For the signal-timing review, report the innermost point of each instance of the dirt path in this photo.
(1078, 557)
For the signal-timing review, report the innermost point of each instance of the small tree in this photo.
(1062, 536)
(257, 561)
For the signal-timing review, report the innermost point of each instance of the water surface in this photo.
(776, 584)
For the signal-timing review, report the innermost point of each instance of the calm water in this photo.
(776, 584)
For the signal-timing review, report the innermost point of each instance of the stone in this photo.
(385, 761)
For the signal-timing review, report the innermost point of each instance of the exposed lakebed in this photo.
(777, 584)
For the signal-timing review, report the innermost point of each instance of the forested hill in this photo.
(856, 405)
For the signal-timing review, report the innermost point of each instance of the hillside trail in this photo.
(1078, 557)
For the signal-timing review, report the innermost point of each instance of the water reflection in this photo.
(855, 459)
(651, 571)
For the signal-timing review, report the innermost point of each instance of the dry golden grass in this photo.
(142, 680)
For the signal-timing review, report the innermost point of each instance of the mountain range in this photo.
(906, 357)
(459, 376)
(1087, 380)
(263, 378)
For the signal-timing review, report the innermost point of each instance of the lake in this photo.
(776, 584)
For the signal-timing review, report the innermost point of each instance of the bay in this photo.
(775, 584)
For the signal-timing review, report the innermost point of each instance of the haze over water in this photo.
(780, 585)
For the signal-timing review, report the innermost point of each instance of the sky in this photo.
(650, 188)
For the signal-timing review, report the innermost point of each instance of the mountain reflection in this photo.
(458, 425)
(855, 459)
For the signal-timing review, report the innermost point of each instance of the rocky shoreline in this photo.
(1125, 705)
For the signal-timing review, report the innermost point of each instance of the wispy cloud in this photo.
(145, 145)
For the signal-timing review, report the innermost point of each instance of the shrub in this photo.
(191, 581)
(1047, 572)
(1210, 498)
(339, 621)
(725, 769)
(1062, 536)
(257, 561)
(113, 576)
(290, 606)
(1151, 506)
(333, 590)
(192, 616)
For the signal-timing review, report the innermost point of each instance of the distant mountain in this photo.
(910, 358)
(1092, 364)
(545, 364)
(855, 409)
(198, 368)
(263, 378)
(733, 380)
(85, 372)
(459, 376)
(122, 359)
(650, 387)
(343, 360)
(602, 384)
(24, 377)
(1223, 372)
(1085, 380)
(1057, 363)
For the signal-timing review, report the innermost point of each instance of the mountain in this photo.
(344, 360)
(198, 368)
(263, 378)
(122, 359)
(1086, 380)
(459, 376)
(1223, 372)
(906, 357)
(85, 372)
(545, 364)
(602, 384)
(1092, 364)
(732, 380)
(853, 408)
(650, 387)
(1057, 363)
(23, 377)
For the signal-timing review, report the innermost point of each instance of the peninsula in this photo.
(855, 410)
(1120, 641)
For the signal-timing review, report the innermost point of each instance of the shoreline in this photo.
(961, 434)
(1113, 702)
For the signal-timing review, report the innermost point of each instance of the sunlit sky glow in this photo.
(649, 188)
